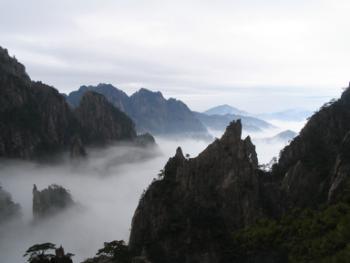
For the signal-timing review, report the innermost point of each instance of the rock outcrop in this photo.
(150, 111)
(8, 208)
(145, 139)
(188, 215)
(50, 200)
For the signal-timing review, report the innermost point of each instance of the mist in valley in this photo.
(106, 188)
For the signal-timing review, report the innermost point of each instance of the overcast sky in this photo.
(257, 55)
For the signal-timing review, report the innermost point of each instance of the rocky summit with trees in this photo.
(43, 253)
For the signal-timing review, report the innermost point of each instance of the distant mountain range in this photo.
(286, 115)
(224, 110)
(150, 111)
(284, 136)
(220, 122)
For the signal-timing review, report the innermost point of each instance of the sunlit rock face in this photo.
(187, 215)
(50, 200)
(8, 208)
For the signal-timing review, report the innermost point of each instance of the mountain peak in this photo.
(225, 109)
(147, 92)
(179, 153)
(233, 131)
(11, 66)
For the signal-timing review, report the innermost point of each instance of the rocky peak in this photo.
(233, 132)
(221, 185)
(179, 154)
(11, 66)
(148, 93)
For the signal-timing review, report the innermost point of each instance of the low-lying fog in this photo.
(107, 188)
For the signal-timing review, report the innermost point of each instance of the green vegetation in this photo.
(301, 236)
(115, 251)
(39, 252)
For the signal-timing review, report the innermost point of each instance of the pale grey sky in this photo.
(256, 55)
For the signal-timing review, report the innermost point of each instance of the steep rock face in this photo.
(340, 180)
(188, 215)
(101, 122)
(150, 111)
(8, 208)
(306, 166)
(35, 119)
(50, 200)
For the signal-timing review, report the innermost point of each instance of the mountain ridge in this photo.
(150, 111)
(226, 109)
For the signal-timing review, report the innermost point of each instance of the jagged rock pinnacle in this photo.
(233, 131)
(179, 153)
